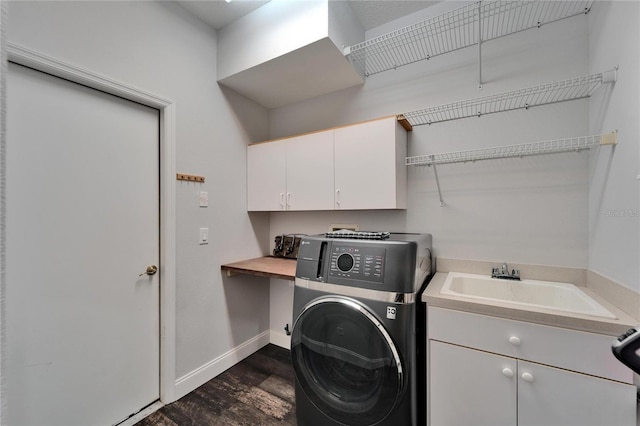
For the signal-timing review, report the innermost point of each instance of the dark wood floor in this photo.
(257, 391)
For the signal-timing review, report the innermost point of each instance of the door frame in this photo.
(39, 62)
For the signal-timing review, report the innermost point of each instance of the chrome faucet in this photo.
(503, 273)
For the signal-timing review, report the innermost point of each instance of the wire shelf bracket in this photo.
(561, 91)
(575, 144)
(466, 26)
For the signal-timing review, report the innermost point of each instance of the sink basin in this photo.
(541, 294)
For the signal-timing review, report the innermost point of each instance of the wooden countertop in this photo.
(267, 266)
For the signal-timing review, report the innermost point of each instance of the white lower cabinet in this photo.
(469, 386)
(551, 396)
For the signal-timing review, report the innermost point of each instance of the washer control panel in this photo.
(359, 263)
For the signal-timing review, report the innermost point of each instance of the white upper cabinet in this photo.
(369, 166)
(266, 177)
(356, 167)
(310, 172)
(291, 174)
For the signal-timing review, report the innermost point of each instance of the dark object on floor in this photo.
(257, 391)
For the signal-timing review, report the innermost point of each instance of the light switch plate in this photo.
(204, 236)
(204, 199)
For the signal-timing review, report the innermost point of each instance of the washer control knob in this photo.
(345, 262)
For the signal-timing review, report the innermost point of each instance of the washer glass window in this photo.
(345, 362)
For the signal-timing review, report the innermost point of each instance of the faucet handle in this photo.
(503, 272)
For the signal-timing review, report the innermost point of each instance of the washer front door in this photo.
(346, 362)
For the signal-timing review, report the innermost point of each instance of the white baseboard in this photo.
(279, 338)
(142, 414)
(208, 371)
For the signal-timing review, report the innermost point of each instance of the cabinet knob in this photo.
(515, 341)
(507, 372)
(282, 200)
(527, 377)
(288, 200)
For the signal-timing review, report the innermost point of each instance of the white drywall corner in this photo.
(286, 51)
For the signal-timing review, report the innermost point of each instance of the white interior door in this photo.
(82, 327)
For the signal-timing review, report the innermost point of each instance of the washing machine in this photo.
(357, 343)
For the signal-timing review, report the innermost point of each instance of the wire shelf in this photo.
(510, 151)
(463, 27)
(566, 90)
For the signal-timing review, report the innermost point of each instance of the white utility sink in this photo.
(542, 294)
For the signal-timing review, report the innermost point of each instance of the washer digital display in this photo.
(358, 263)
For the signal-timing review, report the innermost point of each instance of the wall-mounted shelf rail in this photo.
(190, 178)
(574, 144)
(511, 151)
(469, 25)
(566, 90)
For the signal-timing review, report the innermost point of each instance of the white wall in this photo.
(3, 216)
(159, 48)
(273, 30)
(614, 197)
(281, 305)
(344, 29)
(283, 26)
(531, 210)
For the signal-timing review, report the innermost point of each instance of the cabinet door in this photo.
(551, 396)
(310, 172)
(369, 166)
(543, 344)
(469, 387)
(266, 176)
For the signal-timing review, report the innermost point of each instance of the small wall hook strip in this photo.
(190, 178)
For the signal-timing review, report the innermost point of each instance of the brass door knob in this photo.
(151, 270)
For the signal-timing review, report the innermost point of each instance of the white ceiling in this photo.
(370, 13)
(219, 13)
(373, 13)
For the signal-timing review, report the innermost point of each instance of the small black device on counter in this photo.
(627, 348)
(287, 245)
